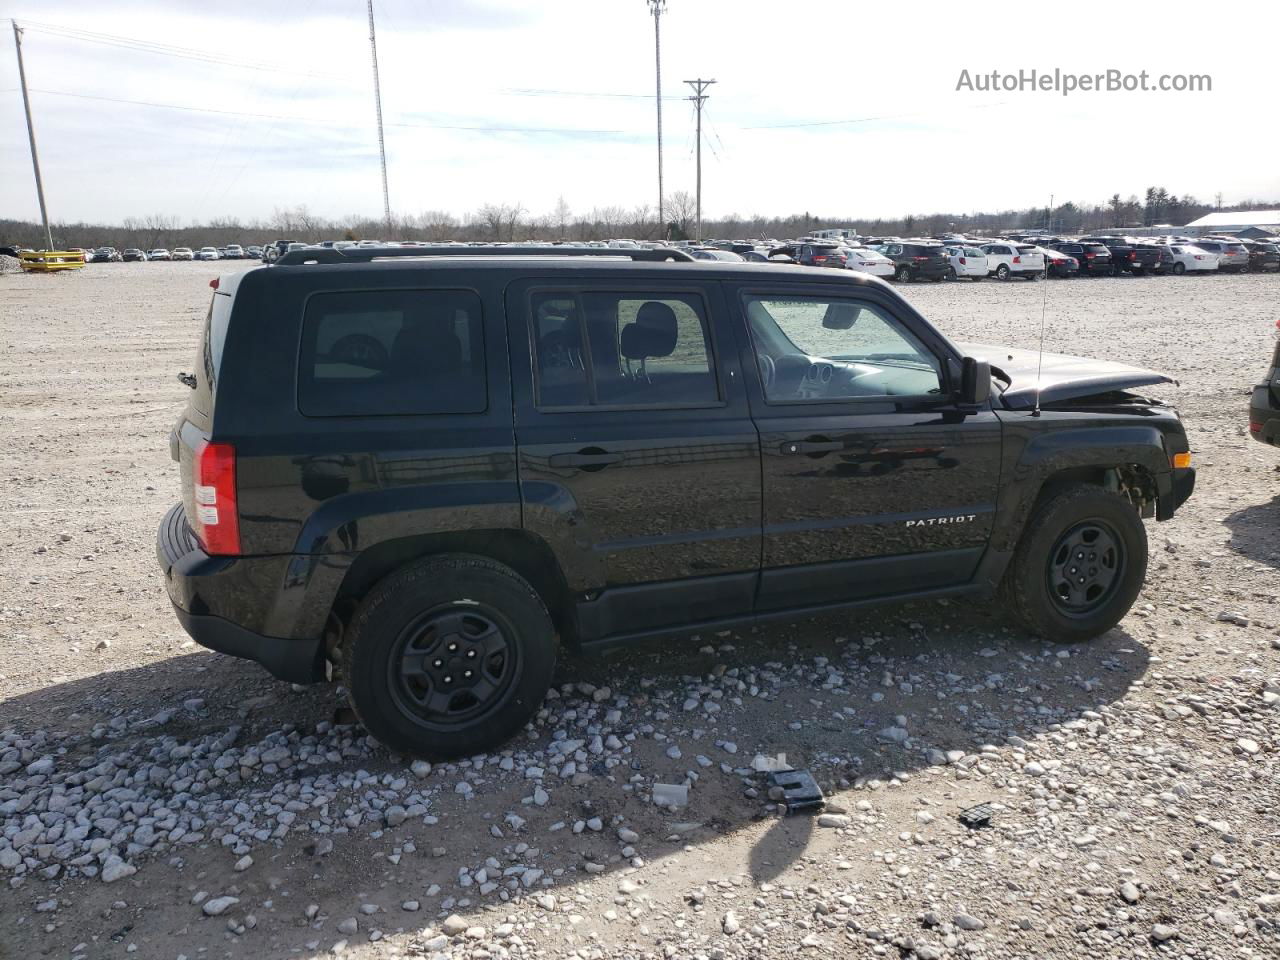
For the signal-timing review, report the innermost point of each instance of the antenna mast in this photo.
(377, 101)
(1044, 309)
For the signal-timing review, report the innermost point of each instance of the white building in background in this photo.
(1234, 221)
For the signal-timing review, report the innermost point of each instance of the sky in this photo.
(238, 107)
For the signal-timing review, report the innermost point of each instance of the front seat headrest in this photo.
(651, 334)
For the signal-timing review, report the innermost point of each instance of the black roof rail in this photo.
(368, 254)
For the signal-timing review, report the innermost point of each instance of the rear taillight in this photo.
(1133, 254)
(1017, 259)
(1255, 426)
(214, 283)
(919, 259)
(217, 520)
(819, 259)
(1090, 256)
(962, 261)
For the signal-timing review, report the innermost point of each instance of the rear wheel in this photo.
(902, 274)
(1079, 565)
(1179, 269)
(449, 656)
(1002, 272)
(951, 273)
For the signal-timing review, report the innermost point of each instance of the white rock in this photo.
(1161, 932)
(217, 906)
(729, 923)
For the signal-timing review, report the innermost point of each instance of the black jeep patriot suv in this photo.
(422, 471)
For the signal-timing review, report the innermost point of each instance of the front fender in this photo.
(1034, 461)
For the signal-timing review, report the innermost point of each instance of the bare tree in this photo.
(561, 215)
(681, 210)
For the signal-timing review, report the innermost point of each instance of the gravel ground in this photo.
(162, 801)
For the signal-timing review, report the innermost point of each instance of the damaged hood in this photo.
(1062, 377)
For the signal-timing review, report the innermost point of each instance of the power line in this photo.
(568, 131)
(891, 116)
(583, 94)
(167, 50)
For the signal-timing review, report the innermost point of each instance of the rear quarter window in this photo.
(392, 353)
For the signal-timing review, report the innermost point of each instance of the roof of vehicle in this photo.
(613, 261)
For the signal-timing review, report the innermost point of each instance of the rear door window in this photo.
(392, 352)
(598, 349)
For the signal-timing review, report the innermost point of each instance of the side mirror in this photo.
(975, 382)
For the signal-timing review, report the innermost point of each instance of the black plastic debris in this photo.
(799, 790)
(977, 817)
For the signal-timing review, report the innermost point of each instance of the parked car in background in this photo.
(1187, 258)
(1058, 264)
(866, 260)
(253, 252)
(1093, 259)
(134, 254)
(160, 253)
(966, 261)
(706, 253)
(1128, 255)
(183, 253)
(1007, 259)
(820, 255)
(1262, 256)
(207, 253)
(235, 251)
(105, 255)
(1232, 255)
(915, 259)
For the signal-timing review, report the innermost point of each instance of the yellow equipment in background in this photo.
(48, 261)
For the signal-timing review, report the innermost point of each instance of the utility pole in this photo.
(657, 8)
(699, 98)
(31, 135)
(1049, 225)
(377, 100)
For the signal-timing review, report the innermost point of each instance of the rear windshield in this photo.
(392, 352)
(923, 251)
(1235, 248)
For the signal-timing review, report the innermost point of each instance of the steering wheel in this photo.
(768, 370)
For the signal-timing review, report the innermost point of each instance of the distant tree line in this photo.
(511, 221)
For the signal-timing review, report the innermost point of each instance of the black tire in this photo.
(902, 274)
(469, 605)
(1179, 269)
(1034, 587)
(1002, 272)
(951, 273)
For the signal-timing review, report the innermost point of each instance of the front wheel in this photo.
(449, 656)
(902, 274)
(1002, 272)
(951, 273)
(1079, 565)
(1179, 269)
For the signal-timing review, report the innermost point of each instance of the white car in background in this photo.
(1006, 260)
(207, 253)
(967, 262)
(1188, 258)
(182, 253)
(866, 260)
(159, 254)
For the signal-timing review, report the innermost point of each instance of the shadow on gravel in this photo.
(959, 678)
(1255, 532)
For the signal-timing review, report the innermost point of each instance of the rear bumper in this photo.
(233, 604)
(1265, 415)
